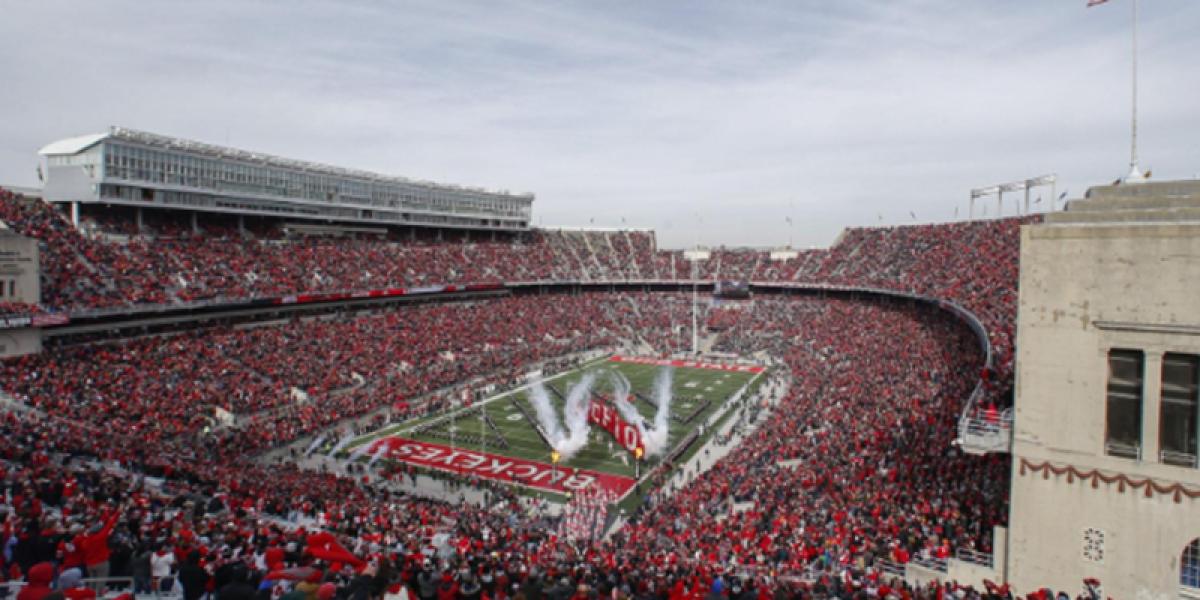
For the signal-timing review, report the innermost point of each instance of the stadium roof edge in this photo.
(72, 145)
(592, 229)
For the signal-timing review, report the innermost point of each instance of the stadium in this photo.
(233, 374)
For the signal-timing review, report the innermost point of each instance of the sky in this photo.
(719, 123)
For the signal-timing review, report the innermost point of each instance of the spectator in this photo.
(37, 585)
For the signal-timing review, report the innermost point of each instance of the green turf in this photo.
(690, 387)
(400, 428)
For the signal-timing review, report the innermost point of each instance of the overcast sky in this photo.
(708, 121)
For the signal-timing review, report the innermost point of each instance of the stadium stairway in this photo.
(633, 266)
(587, 242)
(569, 249)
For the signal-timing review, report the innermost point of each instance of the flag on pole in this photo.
(1092, 3)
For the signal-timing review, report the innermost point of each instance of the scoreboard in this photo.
(732, 289)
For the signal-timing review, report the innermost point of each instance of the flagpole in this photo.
(1135, 174)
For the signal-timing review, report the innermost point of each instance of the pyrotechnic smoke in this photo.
(544, 409)
(313, 446)
(383, 448)
(575, 414)
(360, 451)
(620, 400)
(341, 444)
(656, 439)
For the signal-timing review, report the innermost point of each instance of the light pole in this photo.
(695, 333)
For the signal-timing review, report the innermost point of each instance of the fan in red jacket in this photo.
(38, 582)
(95, 548)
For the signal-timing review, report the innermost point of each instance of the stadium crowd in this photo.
(123, 453)
(872, 480)
(161, 260)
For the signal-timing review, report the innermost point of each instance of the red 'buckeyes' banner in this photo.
(502, 468)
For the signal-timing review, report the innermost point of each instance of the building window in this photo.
(1189, 565)
(1179, 418)
(1124, 423)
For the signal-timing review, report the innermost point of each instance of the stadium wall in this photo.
(1115, 274)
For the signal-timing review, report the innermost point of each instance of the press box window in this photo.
(1123, 435)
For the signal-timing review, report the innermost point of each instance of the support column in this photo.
(242, 224)
(999, 203)
(139, 219)
(1151, 405)
(1026, 198)
(971, 211)
(195, 223)
(75, 214)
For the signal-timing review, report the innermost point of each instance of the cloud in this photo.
(708, 121)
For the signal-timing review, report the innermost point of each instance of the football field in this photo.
(503, 437)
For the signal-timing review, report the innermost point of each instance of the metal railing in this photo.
(980, 433)
(985, 559)
(932, 563)
(894, 569)
(100, 585)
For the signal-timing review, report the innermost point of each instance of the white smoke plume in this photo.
(655, 438)
(379, 453)
(360, 451)
(575, 415)
(341, 444)
(620, 400)
(313, 446)
(544, 409)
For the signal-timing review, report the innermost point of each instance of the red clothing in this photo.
(72, 552)
(445, 592)
(95, 546)
(80, 593)
(38, 586)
